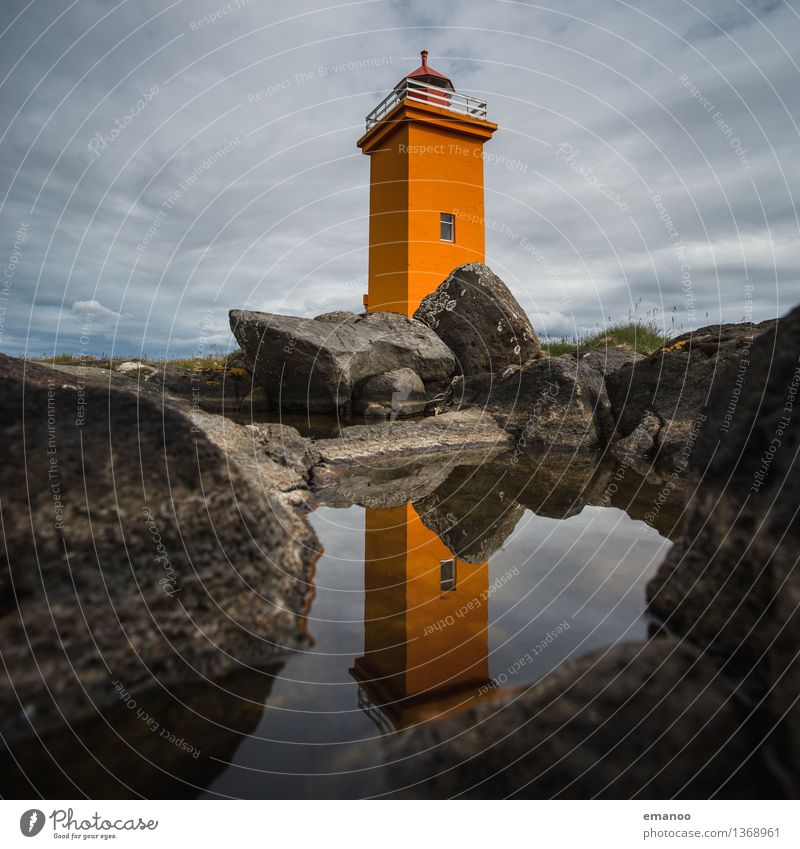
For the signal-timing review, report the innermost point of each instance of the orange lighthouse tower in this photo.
(426, 211)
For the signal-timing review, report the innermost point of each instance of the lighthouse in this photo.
(426, 207)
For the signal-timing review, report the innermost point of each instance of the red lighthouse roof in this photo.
(426, 74)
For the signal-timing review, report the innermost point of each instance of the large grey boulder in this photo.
(553, 402)
(672, 386)
(145, 543)
(732, 582)
(479, 319)
(314, 364)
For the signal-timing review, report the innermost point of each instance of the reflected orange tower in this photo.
(426, 206)
(425, 621)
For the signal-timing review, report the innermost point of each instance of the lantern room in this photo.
(425, 143)
(432, 87)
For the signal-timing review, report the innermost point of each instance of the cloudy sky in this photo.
(164, 162)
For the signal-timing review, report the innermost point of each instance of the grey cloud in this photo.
(165, 230)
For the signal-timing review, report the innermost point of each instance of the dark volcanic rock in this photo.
(313, 365)
(212, 388)
(339, 317)
(140, 546)
(395, 394)
(641, 443)
(554, 402)
(732, 582)
(651, 721)
(287, 448)
(673, 384)
(606, 359)
(480, 320)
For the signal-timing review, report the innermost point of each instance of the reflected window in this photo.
(447, 227)
(447, 575)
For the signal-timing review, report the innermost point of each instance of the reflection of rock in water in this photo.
(471, 512)
(557, 486)
(553, 486)
(165, 745)
(476, 509)
(387, 485)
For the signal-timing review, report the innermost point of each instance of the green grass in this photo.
(89, 359)
(643, 337)
(200, 363)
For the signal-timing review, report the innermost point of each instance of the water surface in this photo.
(410, 625)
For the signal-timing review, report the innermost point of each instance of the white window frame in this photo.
(447, 584)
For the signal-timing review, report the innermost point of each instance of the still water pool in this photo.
(486, 583)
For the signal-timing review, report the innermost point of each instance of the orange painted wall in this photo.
(445, 175)
(385, 634)
(388, 211)
(423, 161)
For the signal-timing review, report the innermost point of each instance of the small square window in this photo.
(447, 227)
(447, 575)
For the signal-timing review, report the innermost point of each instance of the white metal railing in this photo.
(418, 92)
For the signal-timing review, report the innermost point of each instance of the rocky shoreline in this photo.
(152, 543)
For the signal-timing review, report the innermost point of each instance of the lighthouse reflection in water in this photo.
(425, 622)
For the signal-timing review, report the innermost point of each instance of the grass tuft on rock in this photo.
(643, 337)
